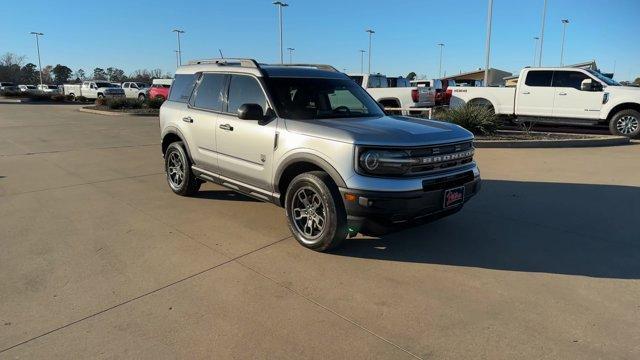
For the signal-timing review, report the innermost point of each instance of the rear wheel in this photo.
(625, 123)
(141, 97)
(315, 211)
(181, 179)
(100, 96)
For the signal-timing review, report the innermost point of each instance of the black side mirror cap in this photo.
(250, 112)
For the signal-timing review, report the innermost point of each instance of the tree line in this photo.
(13, 69)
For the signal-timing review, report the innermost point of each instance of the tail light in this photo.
(415, 96)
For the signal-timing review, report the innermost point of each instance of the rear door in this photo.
(535, 96)
(245, 147)
(570, 100)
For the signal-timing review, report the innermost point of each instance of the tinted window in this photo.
(126, 85)
(377, 82)
(572, 79)
(208, 95)
(357, 79)
(245, 90)
(181, 87)
(539, 78)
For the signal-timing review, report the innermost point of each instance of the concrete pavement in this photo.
(99, 259)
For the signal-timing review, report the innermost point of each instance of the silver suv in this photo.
(309, 139)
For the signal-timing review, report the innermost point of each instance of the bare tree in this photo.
(9, 59)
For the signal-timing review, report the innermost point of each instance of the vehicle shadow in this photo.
(225, 195)
(571, 229)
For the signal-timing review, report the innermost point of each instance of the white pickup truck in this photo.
(135, 90)
(567, 96)
(405, 98)
(93, 89)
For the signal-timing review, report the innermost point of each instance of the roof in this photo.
(479, 71)
(300, 71)
(251, 66)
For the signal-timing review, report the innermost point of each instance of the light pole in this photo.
(280, 5)
(177, 58)
(564, 31)
(535, 50)
(488, 44)
(362, 61)
(291, 50)
(178, 32)
(371, 32)
(440, 66)
(38, 47)
(544, 16)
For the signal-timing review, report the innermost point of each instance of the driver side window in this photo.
(570, 79)
(245, 90)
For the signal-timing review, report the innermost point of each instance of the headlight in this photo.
(384, 162)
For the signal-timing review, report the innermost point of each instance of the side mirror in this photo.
(590, 85)
(250, 112)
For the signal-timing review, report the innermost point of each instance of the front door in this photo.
(571, 101)
(245, 147)
(535, 96)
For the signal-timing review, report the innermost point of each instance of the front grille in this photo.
(440, 157)
(447, 182)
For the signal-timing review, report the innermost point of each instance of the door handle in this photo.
(562, 93)
(526, 93)
(226, 127)
(188, 119)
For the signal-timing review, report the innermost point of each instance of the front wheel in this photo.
(315, 212)
(141, 97)
(177, 166)
(100, 96)
(625, 123)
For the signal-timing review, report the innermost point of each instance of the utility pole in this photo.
(488, 44)
(544, 16)
(564, 31)
(178, 32)
(535, 50)
(440, 66)
(38, 47)
(280, 5)
(362, 61)
(371, 32)
(291, 50)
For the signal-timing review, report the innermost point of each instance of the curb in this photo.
(592, 141)
(112, 113)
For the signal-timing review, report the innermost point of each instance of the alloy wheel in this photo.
(309, 213)
(175, 170)
(627, 124)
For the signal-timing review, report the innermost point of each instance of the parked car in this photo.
(92, 89)
(49, 89)
(6, 84)
(27, 88)
(135, 90)
(561, 96)
(395, 97)
(311, 140)
(443, 89)
(160, 89)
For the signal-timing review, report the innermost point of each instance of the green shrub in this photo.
(81, 99)
(477, 119)
(58, 98)
(100, 102)
(12, 93)
(123, 103)
(154, 103)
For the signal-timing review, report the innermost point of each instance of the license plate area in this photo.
(453, 197)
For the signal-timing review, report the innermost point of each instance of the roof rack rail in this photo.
(317, 66)
(228, 61)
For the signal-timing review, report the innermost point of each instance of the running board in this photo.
(238, 186)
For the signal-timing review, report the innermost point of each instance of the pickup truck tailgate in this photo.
(426, 96)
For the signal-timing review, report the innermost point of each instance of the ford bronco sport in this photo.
(309, 139)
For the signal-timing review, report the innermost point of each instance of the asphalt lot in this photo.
(98, 259)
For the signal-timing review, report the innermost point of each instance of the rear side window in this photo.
(377, 82)
(572, 79)
(539, 78)
(182, 87)
(208, 95)
(245, 90)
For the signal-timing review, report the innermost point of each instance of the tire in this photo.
(141, 97)
(73, 97)
(177, 166)
(625, 123)
(100, 96)
(323, 201)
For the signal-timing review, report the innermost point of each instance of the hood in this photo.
(385, 130)
(623, 89)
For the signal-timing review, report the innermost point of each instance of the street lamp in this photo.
(38, 47)
(177, 57)
(291, 50)
(371, 32)
(564, 31)
(535, 50)
(488, 44)
(440, 66)
(280, 5)
(544, 16)
(178, 32)
(362, 61)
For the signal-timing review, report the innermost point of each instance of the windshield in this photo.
(306, 99)
(104, 84)
(603, 78)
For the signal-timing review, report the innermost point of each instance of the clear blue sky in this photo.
(137, 34)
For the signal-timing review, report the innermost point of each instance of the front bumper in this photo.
(373, 212)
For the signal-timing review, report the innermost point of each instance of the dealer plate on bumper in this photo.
(453, 197)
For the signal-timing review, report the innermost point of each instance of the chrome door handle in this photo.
(188, 119)
(562, 94)
(226, 127)
(526, 93)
